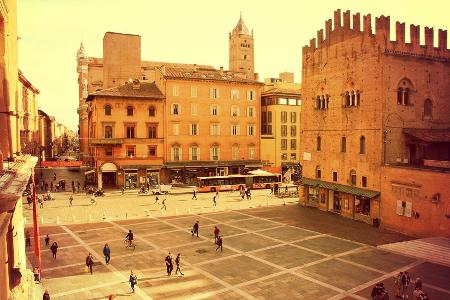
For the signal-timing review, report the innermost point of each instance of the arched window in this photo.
(129, 110)
(362, 145)
(318, 172)
(319, 143)
(108, 132)
(107, 110)
(404, 92)
(318, 102)
(347, 99)
(353, 177)
(357, 98)
(235, 152)
(427, 109)
(151, 111)
(353, 99)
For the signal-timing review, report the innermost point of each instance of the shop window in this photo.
(362, 205)
(353, 177)
(151, 111)
(362, 145)
(131, 151)
(130, 110)
(364, 181)
(335, 176)
(108, 132)
(152, 151)
(319, 143)
(108, 110)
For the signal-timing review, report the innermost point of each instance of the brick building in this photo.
(207, 119)
(368, 99)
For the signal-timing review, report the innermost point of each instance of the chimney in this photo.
(136, 84)
(195, 68)
(221, 71)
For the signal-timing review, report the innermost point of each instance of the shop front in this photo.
(107, 176)
(131, 178)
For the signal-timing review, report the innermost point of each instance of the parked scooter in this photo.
(48, 196)
(99, 193)
(143, 190)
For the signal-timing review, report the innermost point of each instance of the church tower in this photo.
(242, 50)
(82, 70)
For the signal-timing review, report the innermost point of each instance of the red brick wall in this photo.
(432, 217)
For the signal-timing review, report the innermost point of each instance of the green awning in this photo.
(340, 187)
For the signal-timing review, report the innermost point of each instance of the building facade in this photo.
(280, 125)
(207, 120)
(365, 97)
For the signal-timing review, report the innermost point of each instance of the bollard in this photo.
(73, 219)
(57, 219)
(148, 213)
(104, 216)
(90, 218)
(42, 220)
(189, 210)
(126, 215)
(284, 202)
(176, 211)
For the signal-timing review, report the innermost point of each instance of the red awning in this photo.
(429, 135)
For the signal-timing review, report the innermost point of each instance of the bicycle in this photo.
(129, 244)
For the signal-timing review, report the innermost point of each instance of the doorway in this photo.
(337, 202)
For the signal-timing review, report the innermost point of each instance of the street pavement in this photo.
(274, 252)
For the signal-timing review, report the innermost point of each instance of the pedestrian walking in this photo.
(54, 249)
(194, 196)
(133, 280)
(169, 264)
(37, 274)
(156, 200)
(90, 262)
(379, 292)
(219, 243)
(400, 282)
(40, 201)
(195, 228)
(93, 199)
(54, 176)
(107, 253)
(27, 239)
(177, 262)
(70, 200)
(217, 194)
(123, 190)
(164, 204)
(249, 195)
(46, 295)
(242, 194)
(418, 283)
(216, 234)
(47, 240)
(407, 281)
(214, 201)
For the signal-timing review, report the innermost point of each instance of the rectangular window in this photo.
(235, 111)
(194, 128)
(251, 130)
(131, 151)
(176, 129)
(250, 95)
(251, 152)
(293, 156)
(176, 151)
(293, 144)
(293, 130)
(215, 153)
(194, 153)
(235, 130)
(353, 179)
(214, 110)
(284, 117)
(283, 144)
(152, 131)
(335, 178)
(130, 132)
(108, 151)
(293, 117)
(108, 132)
(215, 129)
(364, 181)
(234, 94)
(283, 130)
(269, 117)
(269, 129)
(214, 93)
(250, 111)
(152, 151)
(194, 109)
(175, 91)
(343, 144)
(193, 92)
(175, 109)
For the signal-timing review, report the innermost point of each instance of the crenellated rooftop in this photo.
(339, 30)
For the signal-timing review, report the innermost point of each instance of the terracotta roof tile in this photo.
(207, 73)
(146, 90)
(282, 91)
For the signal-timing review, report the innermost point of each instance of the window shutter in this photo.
(217, 93)
(171, 154)
(239, 111)
(218, 129)
(218, 110)
(231, 130)
(210, 92)
(211, 129)
(210, 153)
(408, 209)
(211, 110)
(399, 208)
(238, 130)
(218, 153)
(231, 111)
(190, 153)
(198, 129)
(190, 129)
(198, 153)
(180, 153)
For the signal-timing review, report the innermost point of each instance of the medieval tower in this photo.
(82, 70)
(242, 50)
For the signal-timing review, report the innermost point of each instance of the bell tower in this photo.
(82, 70)
(242, 50)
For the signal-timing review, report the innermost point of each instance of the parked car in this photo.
(161, 189)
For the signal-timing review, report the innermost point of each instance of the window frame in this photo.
(130, 111)
(107, 110)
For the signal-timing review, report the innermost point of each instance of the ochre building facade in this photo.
(370, 102)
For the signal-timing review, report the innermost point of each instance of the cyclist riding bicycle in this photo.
(130, 237)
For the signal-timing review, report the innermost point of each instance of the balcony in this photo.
(99, 142)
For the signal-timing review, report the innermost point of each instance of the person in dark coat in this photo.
(46, 295)
(133, 280)
(107, 253)
(47, 240)
(169, 264)
(54, 249)
(89, 262)
(195, 229)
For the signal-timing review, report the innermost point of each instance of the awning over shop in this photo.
(340, 188)
(429, 135)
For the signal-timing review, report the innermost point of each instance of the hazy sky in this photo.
(183, 31)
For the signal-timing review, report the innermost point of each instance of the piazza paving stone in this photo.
(63, 240)
(288, 286)
(228, 216)
(166, 240)
(225, 230)
(328, 245)
(378, 259)
(64, 256)
(340, 274)
(118, 247)
(148, 228)
(135, 221)
(229, 295)
(288, 233)
(101, 234)
(200, 252)
(434, 274)
(254, 224)
(248, 242)
(235, 270)
(87, 226)
(186, 222)
(139, 261)
(120, 290)
(288, 256)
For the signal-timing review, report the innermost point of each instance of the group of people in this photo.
(169, 264)
(403, 283)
